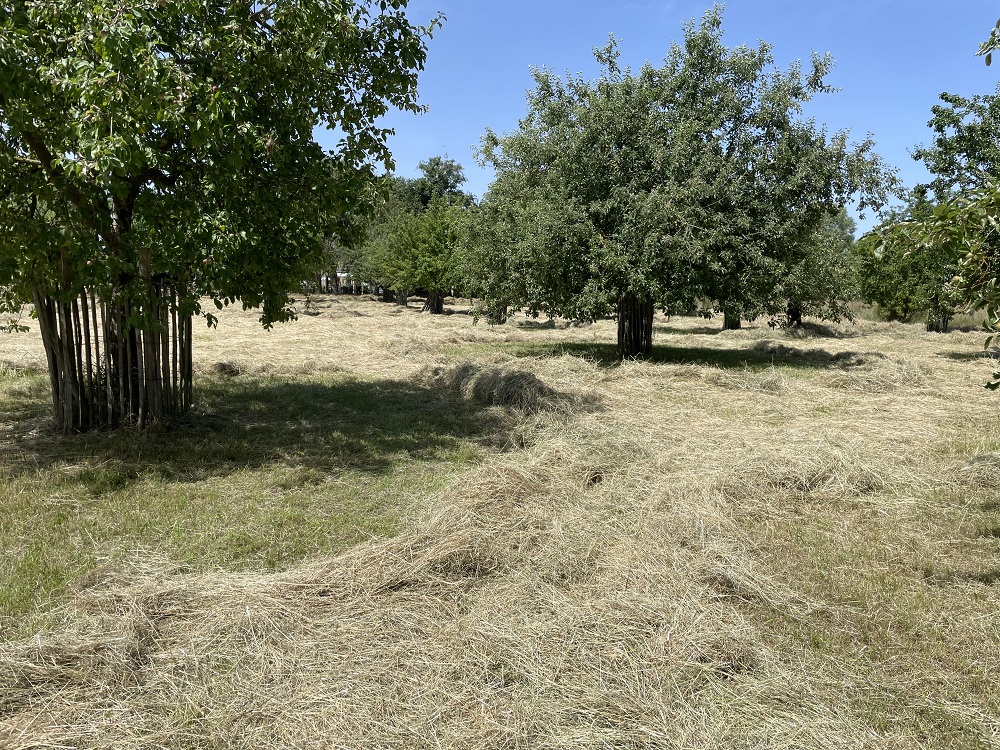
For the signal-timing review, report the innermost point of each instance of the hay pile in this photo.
(514, 388)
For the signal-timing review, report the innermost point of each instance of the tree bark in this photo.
(794, 313)
(938, 325)
(635, 326)
(402, 297)
(731, 319)
(104, 371)
(434, 304)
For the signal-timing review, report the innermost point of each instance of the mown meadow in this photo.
(386, 529)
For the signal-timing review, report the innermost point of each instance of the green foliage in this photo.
(988, 47)
(824, 280)
(151, 139)
(695, 179)
(965, 152)
(412, 238)
(969, 226)
(903, 273)
(423, 245)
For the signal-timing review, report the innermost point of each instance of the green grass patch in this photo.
(268, 471)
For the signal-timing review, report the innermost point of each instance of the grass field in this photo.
(387, 529)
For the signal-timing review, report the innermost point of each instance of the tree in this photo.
(637, 191)
(412, 236)
(965, 152)
(424, 244)
(154, 153)
(824, 281)
(903, 272)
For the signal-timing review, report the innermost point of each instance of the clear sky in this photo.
(893, 59)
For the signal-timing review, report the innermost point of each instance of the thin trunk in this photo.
(68, 379)
(178, 400)
(635, 326)
(90, 346)
(81, 401)
(47, 326)
(109, 387)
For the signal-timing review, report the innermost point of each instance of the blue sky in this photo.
(893, 59)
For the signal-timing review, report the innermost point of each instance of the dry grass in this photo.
(757, 539)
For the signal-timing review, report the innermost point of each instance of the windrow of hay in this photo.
(508, 385)
(802, 467)
(531, 607)
(770, 380)
(514, 388)
(882, 375)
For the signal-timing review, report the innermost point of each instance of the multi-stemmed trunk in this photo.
(635, 326)
(434, 304)
(112, 363)
(731, 319)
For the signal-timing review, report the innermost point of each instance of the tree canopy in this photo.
(413, 233)
(696, 179)
(903, 272)
(965, 152)
(152, 144)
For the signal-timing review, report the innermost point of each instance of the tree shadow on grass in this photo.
(243, 422)
(693, 331)
(992, 353)
(809, 329)
(759, 355)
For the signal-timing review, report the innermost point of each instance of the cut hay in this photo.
(791, 554)
(496, 386)
(770, 380)
(513, 616)
(881, 375)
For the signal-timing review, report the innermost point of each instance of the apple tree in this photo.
(698, 179)
(155, 153)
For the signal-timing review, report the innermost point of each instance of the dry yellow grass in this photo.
(757, 539)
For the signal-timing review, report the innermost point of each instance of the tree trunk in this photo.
(402, 297)
(731, 319)
(938, 325)
(104, 370)
(388, 295)
(497, 314)
(794, 313)
(635, 326)
(434, 304)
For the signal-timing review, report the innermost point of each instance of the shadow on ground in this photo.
(759, 355)
(967, 356)
(679, 331)
(243, 422)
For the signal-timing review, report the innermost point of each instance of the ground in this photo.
(387, 529)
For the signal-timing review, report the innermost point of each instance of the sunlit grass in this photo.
(364, 537)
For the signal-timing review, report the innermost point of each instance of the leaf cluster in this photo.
(152, 139)
(965, 152)
(696, 179)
